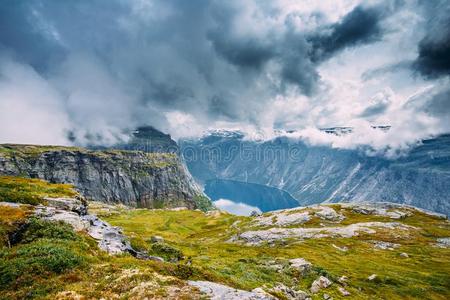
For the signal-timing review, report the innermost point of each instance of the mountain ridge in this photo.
(316, 174)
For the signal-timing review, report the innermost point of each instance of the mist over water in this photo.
(236, 208)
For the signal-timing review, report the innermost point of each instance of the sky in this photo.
(84, 72)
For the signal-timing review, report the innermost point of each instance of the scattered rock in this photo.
(385, 245)
(396, 214)
(301, 265)
(214, 213)
(53, 214)
(276, 267)
(218, 291)
(343, 248)
(372, 277)
(343, 291)
(110, 238)
(443, 242)
(329, 214)
(382, 209)
(261, 291)
(327, 297)
(403, 254)
(69, 204)
(289, 293)
(10, 204)
(320, 283)
(343, 280)
(156, 239)
(179, 208)
(272, 235)
(286, 217)
(255, 213)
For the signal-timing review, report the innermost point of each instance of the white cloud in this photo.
(239, 209)
(31, 110)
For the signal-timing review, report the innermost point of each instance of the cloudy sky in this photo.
(89, 69)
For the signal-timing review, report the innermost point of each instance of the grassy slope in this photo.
(31, 191)
(49, 259)
(202, 237)
(425, 274)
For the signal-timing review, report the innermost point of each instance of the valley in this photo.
(321, 174)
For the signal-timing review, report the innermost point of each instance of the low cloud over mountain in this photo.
(95, 68)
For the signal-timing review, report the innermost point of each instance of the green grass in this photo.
(425, 274)
(48, 258)
(31, 191)
(42, 252)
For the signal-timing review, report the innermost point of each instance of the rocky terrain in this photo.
(146, 139)
(134, 178)
(57, 245)
(317, 174)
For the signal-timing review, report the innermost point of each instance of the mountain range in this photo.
(321, 174)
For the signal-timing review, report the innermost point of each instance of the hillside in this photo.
(133, 178)
(317, 174)
(343, 251)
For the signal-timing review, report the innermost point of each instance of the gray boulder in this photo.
(216, 291)
(320, 283)
(301, 265)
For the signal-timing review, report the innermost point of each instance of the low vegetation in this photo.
(31, 191)
(203, 239)
(48, 260)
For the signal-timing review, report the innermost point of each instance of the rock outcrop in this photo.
(134, 178)
(74, 212)
(216, 291)
(323, 221)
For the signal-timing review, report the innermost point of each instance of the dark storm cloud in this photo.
(434, 49)
(125, 63)
(246, 52)
(297, 53)
(21, 36)
(162, 58)
(361, 26)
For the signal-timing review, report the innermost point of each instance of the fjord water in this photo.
(242, 197)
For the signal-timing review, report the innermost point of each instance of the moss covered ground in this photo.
(49, 261)
(31, 191)
(203, 238)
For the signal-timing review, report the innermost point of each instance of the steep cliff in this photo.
(314, 174)
(134, 178)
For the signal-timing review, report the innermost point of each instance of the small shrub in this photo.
(39, 229)
(40, 258)
(182, 271)
(202, 203)
(166, 251)
(138, 244)
(321, 271)
(11, 218)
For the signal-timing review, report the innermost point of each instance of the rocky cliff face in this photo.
(134, 178)
(322, 174)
